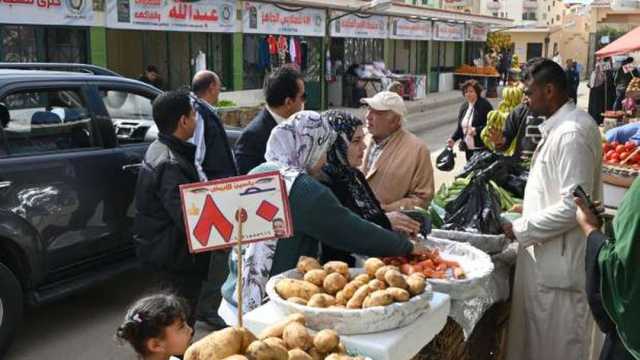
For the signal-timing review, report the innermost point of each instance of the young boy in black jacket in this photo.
(159, 227)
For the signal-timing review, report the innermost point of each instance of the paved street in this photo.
(82, 326)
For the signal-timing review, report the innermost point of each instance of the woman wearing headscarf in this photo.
(297, 148)
(349, 185)
(613, 276)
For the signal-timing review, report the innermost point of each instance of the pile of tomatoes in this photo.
(615, 153)
(430, 264)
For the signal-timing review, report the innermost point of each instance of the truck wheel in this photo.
(10, 307)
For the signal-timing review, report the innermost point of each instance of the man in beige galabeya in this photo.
(396, 163)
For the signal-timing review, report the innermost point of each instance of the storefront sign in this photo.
(213, 211)
(358, 26)
(172, 15)
(47, 12)
(262, 18)
(477, 32)
(402, 28)
(449, 3)
(448, 32)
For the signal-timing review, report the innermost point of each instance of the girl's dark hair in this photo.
(471, 83)
(149, 317)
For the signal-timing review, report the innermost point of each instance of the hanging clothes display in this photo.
(282, 49)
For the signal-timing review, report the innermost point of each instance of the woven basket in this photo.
(488, 341)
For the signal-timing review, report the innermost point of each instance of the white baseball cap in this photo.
(386, 100)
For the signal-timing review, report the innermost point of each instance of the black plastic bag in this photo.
(476, 209)
(516, 184)
(446, 160)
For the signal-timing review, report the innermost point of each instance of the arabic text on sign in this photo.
(360, 24)
(149, 2)
(276, 18)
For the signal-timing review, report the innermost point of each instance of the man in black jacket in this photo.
(213, 160)
(285, 96)
(159, 226)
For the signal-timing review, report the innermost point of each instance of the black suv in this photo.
(70, 147)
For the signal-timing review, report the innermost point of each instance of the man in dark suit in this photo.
(285, 96)
(214, 157)
(213, 160)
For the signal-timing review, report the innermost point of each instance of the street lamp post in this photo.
(371, 6)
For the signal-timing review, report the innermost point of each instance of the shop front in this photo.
(476, 43)
(65, 38)
(357, 66)
(275, 35)
(409, 54)
(179, 38)
(446, 54)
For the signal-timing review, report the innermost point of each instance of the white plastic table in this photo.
(398, 344)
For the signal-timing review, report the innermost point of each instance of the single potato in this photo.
(297, 354)
(362, 278)
(306, 264)
(321, 301)
(288, 288)
(377, 298)
(395, 279)
(315, 276)
(326, 341)
(296, 336)
(217, 345)
(383, 270)
(372, 265)
(358, 298)
(398, 295)
(277, 329)
(259, 350)
(377, 285)
(339, 267)
(416, 283)
(334, 282)
(297, 300)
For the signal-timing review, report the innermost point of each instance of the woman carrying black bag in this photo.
(472, 118)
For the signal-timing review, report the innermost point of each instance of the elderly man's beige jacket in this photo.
(402, 176)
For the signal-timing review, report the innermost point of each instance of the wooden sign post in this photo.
(233, 212)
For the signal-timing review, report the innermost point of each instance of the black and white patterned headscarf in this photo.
(340, 172)
(294, 146)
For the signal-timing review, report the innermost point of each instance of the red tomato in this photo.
(614, 158)
(620, 149)
(606, 147)
(614, 144)
(406, 269)
(624, 155)
(636, 159)
(610, 152)
(630, 146)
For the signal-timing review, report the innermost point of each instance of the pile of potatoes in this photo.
(331, 286)
(289, 339)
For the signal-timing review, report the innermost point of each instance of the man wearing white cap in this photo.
(396, 163)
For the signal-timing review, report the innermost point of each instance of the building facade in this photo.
(230, 37)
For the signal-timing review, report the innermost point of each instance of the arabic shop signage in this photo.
(477, 32)
(172, 15)
(262, 18)
(49, 12)
(360, 26)
(407, 29)
(448, 31)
